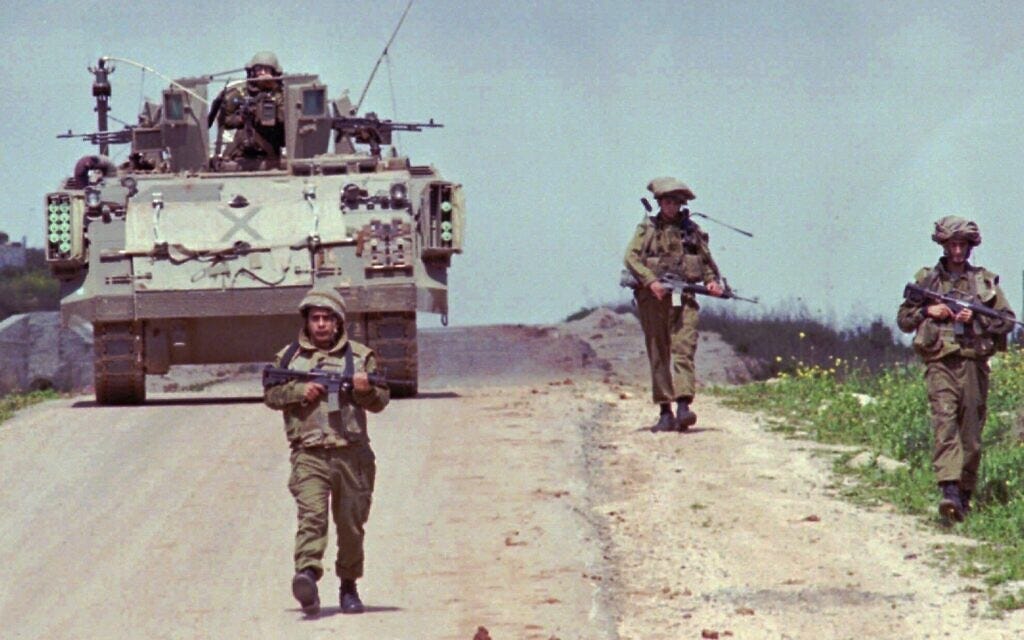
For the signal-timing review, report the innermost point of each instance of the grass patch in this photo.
(11, 404)
(886, 412)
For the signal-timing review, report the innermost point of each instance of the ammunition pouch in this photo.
(984, 346)
(693, 268)
(1000, 342)
(928, 339)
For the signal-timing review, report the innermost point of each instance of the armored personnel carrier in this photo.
(198, 248)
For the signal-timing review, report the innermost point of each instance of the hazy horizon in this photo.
(835, 132)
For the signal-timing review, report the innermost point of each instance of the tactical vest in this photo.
(935, 340)
(675, 249)
(313, 425)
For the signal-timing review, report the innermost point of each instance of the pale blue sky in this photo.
(836, 132)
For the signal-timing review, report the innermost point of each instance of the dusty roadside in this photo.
(173, 520)
(732, 531)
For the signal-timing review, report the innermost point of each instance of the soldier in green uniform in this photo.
(670, 242)
(955, 348)
(255, 110)
(333, 467)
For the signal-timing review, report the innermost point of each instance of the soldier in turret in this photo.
(670, 242)
(956, 346)
(255, 110)
(333, 466)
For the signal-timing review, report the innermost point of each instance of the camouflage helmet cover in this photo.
(956, 228)
(266, 58)
(324, 297)
(667, 186)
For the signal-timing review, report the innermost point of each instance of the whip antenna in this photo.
(383, 53)
(686, 211)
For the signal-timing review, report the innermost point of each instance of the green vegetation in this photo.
(10, 404)
(886, 412)
(28, 289)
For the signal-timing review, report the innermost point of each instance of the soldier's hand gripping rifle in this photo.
(919, 295)
(678, 285)
(373, 131)
(337, 384)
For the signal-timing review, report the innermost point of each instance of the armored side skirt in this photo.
(214, 326)
(246, 302)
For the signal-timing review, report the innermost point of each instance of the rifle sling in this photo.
(289, 354)
(350, 367)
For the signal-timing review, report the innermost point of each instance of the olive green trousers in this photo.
(957, 394)
(670, 334)
(340, 479)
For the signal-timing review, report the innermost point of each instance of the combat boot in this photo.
(348, 597)
(305, 591)
(666, 421)
(950, 506)
(965, 501)
(684, 417)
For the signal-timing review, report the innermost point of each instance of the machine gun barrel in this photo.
(101, 138)
(373, 131)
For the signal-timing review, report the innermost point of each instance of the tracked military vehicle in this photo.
(186, 254)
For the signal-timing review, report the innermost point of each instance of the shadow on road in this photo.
(165, 402)
(435, 395)
(193, 401)
(327, 612)
(690, 431)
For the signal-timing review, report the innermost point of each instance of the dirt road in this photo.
(520, 492)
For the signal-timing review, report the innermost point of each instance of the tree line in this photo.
(31, 288)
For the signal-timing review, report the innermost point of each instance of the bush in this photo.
(783, 342)
(25, 290)
(777, 341)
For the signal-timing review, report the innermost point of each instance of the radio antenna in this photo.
(383, 53)
(686, 211)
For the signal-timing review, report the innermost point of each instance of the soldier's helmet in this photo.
(324, 297)
(264, 58)
(956, 228)
(666, 186)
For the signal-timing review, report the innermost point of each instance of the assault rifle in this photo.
(336, 384)
(373, 131)
(678, 285)
(919, 295)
